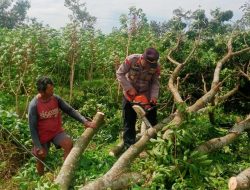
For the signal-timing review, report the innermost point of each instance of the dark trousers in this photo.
(129, 120)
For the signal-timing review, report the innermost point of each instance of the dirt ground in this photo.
(11, 158)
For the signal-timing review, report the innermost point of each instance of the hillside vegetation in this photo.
(205, 93)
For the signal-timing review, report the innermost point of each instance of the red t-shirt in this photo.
(49, 119)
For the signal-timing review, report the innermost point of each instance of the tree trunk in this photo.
(66, 173)
(73, 56)
(71, 81)
(241, 181)
(122, 181)
(123, 163)
(217, 143)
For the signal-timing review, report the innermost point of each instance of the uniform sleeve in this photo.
(155, 84)
(121, 75)
(33, 118)
(66, 108)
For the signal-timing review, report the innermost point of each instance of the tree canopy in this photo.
(13, 13)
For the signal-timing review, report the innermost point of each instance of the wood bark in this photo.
(217, 143)
(66, 173)
(122, 181)
(117, 150)
(123, 163)
(72, 58)
(241, 181)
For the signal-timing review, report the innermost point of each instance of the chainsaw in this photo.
(142, 106)
(142, 101)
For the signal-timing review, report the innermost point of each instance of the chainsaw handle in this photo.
(152, 106)
(140, 103)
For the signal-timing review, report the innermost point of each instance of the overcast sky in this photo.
(54, 13)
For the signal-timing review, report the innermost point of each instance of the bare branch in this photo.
(177, 83)
(204, 84)
(66, 173)
(122, 164)
(186, 77)
(206, 98)
(247, 76)
(172, 50)
(192, 51)
(171, 84)
(229, 45)
(172, 80)
(220, 63)
(241, 51)
(227, 95)
(217, 143)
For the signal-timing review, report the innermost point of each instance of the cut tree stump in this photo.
(241, 181)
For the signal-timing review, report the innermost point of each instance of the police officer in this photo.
(138, 75)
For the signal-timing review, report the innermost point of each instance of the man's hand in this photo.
(41, 153)
(90, 124)
(153, 101)
(131, 93)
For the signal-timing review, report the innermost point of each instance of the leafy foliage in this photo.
(13, 14)
(175, 164)
(80, 14)
(85, 61)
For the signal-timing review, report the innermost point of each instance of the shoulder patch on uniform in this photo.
(127, 61)
(139, 60)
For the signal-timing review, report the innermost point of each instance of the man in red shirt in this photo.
(45, 121)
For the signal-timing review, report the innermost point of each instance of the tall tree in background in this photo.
(217, 24)
(13, 13)
(132, 23)
(80, 14)
(176, 24)
(200, 21)
(245, 20)
(73, 54)
(86, 21)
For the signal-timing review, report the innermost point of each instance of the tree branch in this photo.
(124, 161)
(220, 99)
(66, 173)
(220, 63)
(204, 84)
(217, 143)
(173, 77)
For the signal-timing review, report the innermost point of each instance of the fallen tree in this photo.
(241, 181)
(174, 121)
(66, 173)
(122, 164)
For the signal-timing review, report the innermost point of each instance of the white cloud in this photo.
(54, 13)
